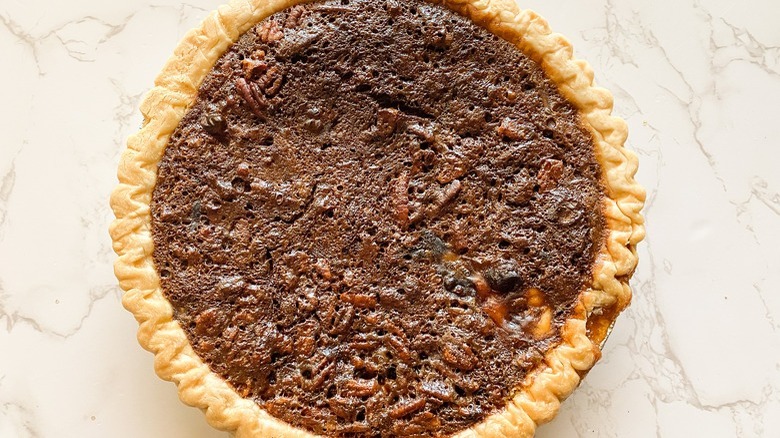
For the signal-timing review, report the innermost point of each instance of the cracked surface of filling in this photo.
(375, 218)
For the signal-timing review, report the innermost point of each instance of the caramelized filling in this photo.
(375, 218)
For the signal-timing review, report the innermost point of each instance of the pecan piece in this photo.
(394, 329)
(470, 411)
(428, 420)
(453, 166)
(363, 301)
(408, 429)
(361, 387)
(400, 199)
(280, 405)
(425, 133)
(441, 199)
(399, 347)
(447, 195)
(467, 384)
(360, 428)
(386, 121)
(323, 269)
(253, 67)
(305, 342)
(438, 390)
(459, 356)
(515, 131)
(342, 320)
(502, 94)
(496, 309)
(341, 406)
(393, 8)
(549, 174)
(403, 409)
(242, 170)
(365, 342)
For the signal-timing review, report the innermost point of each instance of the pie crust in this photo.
(536, 401)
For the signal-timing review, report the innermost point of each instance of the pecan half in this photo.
(294, 17)
(270, 31)
(272, 81)
(250, 95)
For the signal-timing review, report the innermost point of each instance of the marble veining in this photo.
(697, 354)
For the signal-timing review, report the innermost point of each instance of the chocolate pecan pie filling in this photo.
(376, 218)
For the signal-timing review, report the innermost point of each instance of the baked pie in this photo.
(376, 218)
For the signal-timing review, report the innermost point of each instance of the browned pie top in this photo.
(375, 218)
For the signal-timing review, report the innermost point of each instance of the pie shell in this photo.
(538, 397)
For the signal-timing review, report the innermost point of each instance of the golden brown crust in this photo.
(538, 398)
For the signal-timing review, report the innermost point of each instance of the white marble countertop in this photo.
(697, 354)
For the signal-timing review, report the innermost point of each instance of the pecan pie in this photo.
(376, 218)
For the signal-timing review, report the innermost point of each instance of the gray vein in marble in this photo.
(645, 301)
(23, 417)
(617, 32)
(692, 105)
(3, 297)
(125, 111)
(623, 96)
(756, 52)
(742, 208)
(24, 37)
(668, 266)
(760, 189)
(183, 11)
(649, 303)
(71, 45)
(95, 294)
(768, 311)
(684, 391)
(6, 187)
(654, 404)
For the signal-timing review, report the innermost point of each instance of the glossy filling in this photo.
(375, 218)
